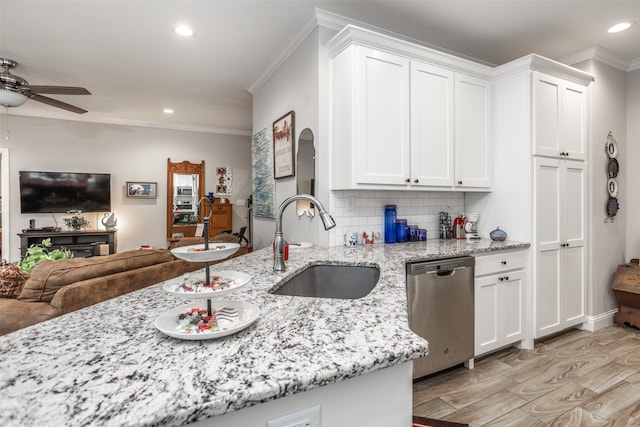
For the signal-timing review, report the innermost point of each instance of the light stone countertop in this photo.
(104, 363)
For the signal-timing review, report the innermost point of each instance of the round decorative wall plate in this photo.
(612, 207)
(612, 187)
(613, 168)
(612, 148)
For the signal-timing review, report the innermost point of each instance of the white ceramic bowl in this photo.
(196, 253)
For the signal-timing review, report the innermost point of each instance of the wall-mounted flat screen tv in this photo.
(57, 192)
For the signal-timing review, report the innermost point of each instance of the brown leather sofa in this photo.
(59, 287)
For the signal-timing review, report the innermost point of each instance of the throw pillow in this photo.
(12, 280)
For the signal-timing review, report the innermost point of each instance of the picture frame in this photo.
(142, 189)
(284, 146)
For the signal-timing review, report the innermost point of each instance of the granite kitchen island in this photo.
(108, 365)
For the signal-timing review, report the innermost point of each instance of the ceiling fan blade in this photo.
(59, 90)
(56, 103)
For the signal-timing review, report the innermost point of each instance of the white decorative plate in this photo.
(248, 313)
(612, 187)
(176, 286)
(611, 147)
(196, 253)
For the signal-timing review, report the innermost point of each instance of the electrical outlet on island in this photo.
(308, 417)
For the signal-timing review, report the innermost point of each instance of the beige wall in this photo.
(632, 170)
(128, 153)
(607, 241)
(294, 86)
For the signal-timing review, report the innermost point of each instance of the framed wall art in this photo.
(142, 190)
(284, 146)
(264, 186)
(224, 181)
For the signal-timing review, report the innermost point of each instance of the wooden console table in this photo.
(81, 243)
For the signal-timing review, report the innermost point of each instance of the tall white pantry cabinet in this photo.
(539, 192)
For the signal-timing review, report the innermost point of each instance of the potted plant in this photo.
(76, 221)
(36, 253)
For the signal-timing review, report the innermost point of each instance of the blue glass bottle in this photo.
(390, 214)
(401, 230)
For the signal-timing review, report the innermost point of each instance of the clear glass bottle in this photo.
(390, 215)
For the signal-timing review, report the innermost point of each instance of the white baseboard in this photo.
(594, 323)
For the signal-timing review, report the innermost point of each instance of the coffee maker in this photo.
(471, 226)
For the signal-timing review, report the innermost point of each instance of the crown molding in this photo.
(540, 63)
(352, 34)
(23, 112)
(307, 28)
(601, 54)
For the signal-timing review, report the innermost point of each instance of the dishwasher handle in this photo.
(442, 267)
(448, 273)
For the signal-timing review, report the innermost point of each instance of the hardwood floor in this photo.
(578, 378)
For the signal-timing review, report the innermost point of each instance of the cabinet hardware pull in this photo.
(416, 181)
(407, 180)
(459, 182)
(506, 277)
(504, 262)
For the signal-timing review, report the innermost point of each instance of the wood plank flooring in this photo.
(579, 378)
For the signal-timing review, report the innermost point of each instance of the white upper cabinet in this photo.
(560, 117)
(473, 153)
(432, 143)
(382, 150)
(402, 121)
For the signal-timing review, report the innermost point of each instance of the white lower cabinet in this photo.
(500, 284)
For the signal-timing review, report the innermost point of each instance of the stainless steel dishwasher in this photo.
(440, 298)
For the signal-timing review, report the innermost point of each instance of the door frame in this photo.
(4, 193)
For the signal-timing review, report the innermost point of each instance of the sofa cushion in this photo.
(12, 280)
(49, 276)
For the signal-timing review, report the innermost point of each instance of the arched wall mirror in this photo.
(306, 175)
(185, 186)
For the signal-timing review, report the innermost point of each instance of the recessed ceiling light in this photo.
(620, 27)
(168, 111)
(183, 30)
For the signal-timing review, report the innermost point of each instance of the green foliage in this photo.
(36, 253)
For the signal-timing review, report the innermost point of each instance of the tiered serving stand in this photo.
(247, 313)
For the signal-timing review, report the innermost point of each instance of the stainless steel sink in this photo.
(326, 280)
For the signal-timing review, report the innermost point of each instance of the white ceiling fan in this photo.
(15, 91)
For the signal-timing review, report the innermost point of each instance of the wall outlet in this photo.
(308, 417)
(240, 202)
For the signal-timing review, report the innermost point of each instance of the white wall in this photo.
(128, 153)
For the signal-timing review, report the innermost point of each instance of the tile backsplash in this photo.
(363, 210)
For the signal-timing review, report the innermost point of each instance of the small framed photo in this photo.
(142, 190)
(284, 146)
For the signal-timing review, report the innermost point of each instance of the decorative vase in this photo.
(498, 235)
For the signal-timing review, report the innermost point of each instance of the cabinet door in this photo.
(486, 318)
(546, 115)
(560, 292)
(574, 121)
(512, 306)
(574, 237)
(432, 101)
(548, 228)
(382, 146)
(472, 149)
